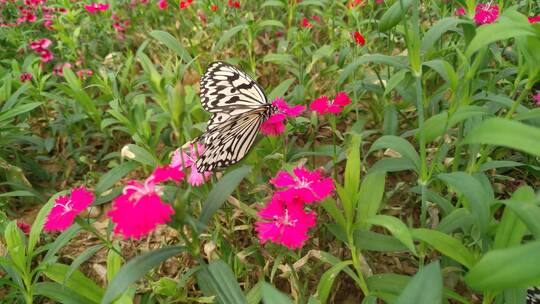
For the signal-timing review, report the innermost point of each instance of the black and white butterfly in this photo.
(238, 106)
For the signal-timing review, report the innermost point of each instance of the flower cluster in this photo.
(96, 7)
(285, 220)
(41, 47)
(275, 124)
(324, 105)
(484, 13)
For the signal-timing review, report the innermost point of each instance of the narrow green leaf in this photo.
(273, 296)
(108, 179)
(281, 89)
(228, 35)
(511, 230)
(438, 29)
(370, 197)
(15, 245)
(172, 43)
(400, 145)
(217, 279)
(445, 244)
(61, 294)
(78, 282)
(395, 61)
(327, 280)
(141, 155)
(506, 268)
(221, 191)
(394, 15)
(373, 241)
(135, 269)
(83, 257)
(398, 229)
(506, 133)
(18, 110)
(426, 287)
(352, 172)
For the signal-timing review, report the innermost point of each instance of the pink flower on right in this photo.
(484, 13)
(323, 105)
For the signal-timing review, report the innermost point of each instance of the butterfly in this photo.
(238, 106)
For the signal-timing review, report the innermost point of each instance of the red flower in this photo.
(184, 4)
(358, 38)
(24, 227)
(234, 4)
(534, 19)
(316, 18)
(25, 77)
(214, 7)
(305, 23)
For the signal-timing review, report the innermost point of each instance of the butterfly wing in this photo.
(229, 91)
(229, 142)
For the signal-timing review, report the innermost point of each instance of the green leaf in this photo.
(221, 191)
(369, 240)
(60, 293)
(435, 125)
(83, 257)
(506, 133)
(458, 218)
(511, 230)
(61, 241)
(426, 287)
(217, 279)
(445, 244)
(15, 246)
(18, 110)
(506, 268)
(473, 190)
(273, 296)
(387, 283)
(135, 269)
(370, 197)
(172, 43)
(114, 263)
(527, 211)
(140, 155)
(438, 29)
(327, 280)
(400, 145)
(108, 179)
(395, 61)
(504, 28)
(398, 229)
(78, 282)
(281, 89)
(394, 15)
(228, 35)
(269, 23)
(392, 165)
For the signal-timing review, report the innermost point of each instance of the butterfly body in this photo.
(239, 107)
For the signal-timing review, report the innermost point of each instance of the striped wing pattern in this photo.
(239, 107)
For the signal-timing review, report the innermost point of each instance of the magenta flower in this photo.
(96, 7)
(537, 98)
(182, 160)
(46, 55)
(162, 4)
(305, 23)
(486, 13)
(460, 11)
(323, 105)
(25, 76)
(139, 209)
(304, 186)
(284, 222)
(534, 19)
(275, 124)
(162, 174)
(25, 228)
(40, 44)
(66, 208)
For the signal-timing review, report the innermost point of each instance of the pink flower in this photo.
(305, 23)
(275, 124)
(67, 208)
(358, 38)
(25, 77)
(304, 186)
(323, 105)
(25, 228)
(534, 19)
(284, 222)
(139, 209)
(162, 174)
(27, 16)
(316, 18)
(460, 11)
(96, 7)
(40, 44)
(537, 98)
(486, 13)
(182, 160)
(58, 70)
(46, 55)
(162, 4)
